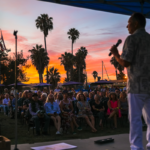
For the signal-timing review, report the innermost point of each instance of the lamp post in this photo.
(16, 108)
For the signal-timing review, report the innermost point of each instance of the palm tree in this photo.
(95, 74)
(53, 76)
(40, 60)
(80, 61)
(73, 35)
(117, 66)
(67, 59)
(44, 22)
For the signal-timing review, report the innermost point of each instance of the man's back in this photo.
(136, 50)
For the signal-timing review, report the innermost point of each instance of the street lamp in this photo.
(15, 34)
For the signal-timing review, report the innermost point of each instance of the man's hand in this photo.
(114, 50)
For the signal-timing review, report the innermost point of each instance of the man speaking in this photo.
(136, 57)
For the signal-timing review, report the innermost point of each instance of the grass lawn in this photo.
(8, 130)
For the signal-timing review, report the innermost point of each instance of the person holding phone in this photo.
(52, 109)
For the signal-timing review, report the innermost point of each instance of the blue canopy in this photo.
(42, 84)
(18, 84)
(126, 7)
(101, 82)
(71, 83)
(2, 85)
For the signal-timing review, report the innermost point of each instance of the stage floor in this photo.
(121, 143)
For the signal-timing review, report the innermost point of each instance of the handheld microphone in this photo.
(117, 44)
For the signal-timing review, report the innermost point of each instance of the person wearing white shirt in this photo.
(5, 103)
(13, 91)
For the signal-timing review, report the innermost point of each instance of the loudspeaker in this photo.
(103, 141)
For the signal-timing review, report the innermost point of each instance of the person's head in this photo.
(11, 96)
(29, 95)
(96, 97)
(50, 98)
(136, 21)
(5, 90)
(81, 97)
(43, 96)
(85, 94)
(65, 94)
(112, 86)
(24, 94)
(39, 93)
(55, 95)
(113, 96)
(123, 95)
(117, 91)
(59, 96)
(20, 94)
(35, 97)
(107, 93)
(7, 95)
(12, 88)
(57, 87)
(1, 96)
(51, 92)
(90, 95)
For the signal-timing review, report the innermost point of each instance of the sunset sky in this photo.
(98, 32)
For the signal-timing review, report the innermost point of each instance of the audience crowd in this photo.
(64, 107)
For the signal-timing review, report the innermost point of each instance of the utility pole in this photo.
(102, 70)
(16, 107)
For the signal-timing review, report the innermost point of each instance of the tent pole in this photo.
(142, 3)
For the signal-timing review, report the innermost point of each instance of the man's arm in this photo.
(122, 62)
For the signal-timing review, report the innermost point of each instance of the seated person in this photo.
(104, 100)
(59, 98)
(26, 103)
(53, 110)
(113, 108)
(21, 101)
(123, 103)
(85, 111)
(5, 103)
(11, 105)
(98, 109)
(39, 93)
(69, 119)
(36, 109)
(86, 96)
(1, 101)
(43, 98)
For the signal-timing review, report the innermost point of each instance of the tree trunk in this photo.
(79, 75)
(72, 66)
(67, 76)
(39, 78)
(46, 51)
(72, 47)
(0, 69)
(116, 75)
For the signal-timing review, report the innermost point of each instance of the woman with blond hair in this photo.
(52, 110)
(85, 111)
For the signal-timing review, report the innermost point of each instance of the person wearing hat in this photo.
(37, 112)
